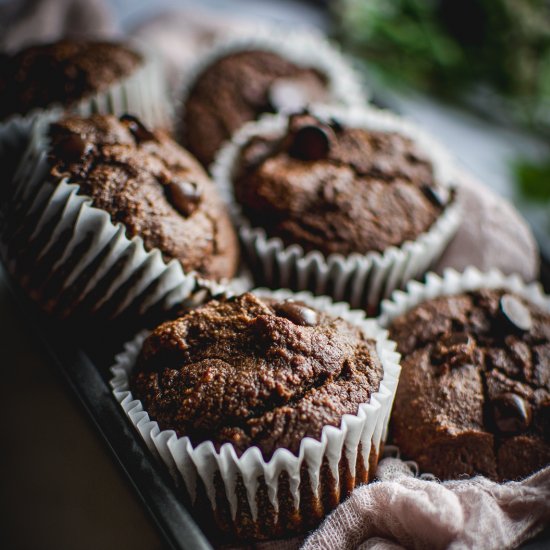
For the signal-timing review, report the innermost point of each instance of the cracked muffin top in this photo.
(238, 88)
(338, 189)
(63, 72)
(474, 392)
(253, 371)
(149, 184)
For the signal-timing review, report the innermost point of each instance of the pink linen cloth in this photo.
(27, 22)
(403, 511)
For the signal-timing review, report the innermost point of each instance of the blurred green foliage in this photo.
(456, 48)
(534, 180)
(448, 45)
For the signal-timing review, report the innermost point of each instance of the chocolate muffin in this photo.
(474, 393)
(255, 372)
(81, 76)
(239, 87)
(279, 401)
(150, 185)
(338, 189)
(61, 73)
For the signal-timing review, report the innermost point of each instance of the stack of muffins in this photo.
(269, 406)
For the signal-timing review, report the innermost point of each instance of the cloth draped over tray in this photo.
(400, 510)
(404, 511)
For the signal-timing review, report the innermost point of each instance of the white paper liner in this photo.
(43, 208)
(304, 48)
(454, 282)
(142, 93)
(363, 280)
(368, 427)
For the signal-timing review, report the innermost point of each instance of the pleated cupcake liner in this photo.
(142, 93)
(306, 49)
(253, 498)
(72, 259)
(363, 280)
(454, 282)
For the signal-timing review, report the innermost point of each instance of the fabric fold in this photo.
(403, 511)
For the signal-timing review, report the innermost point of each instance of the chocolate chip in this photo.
(310, 143)
(512, 414)
(454, 349)
(73, 148)
(136, 127)
(544, 419)
(437, 195)
(336, 125)
(185, 195)
(297, 312)
(515, 312)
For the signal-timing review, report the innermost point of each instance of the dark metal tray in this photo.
(85, 367)
(86, 370)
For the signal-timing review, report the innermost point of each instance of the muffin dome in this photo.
(474, 393)
(255, 372)
(338, 189)
(63, 72)
(237, 88)
(150, 185)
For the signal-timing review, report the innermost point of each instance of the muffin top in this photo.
(476, 366)
(145, 181)
(63, 72)
(238, 88)
(336, 189)
(255, 372)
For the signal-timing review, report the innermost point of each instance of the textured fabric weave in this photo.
(403, 511)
